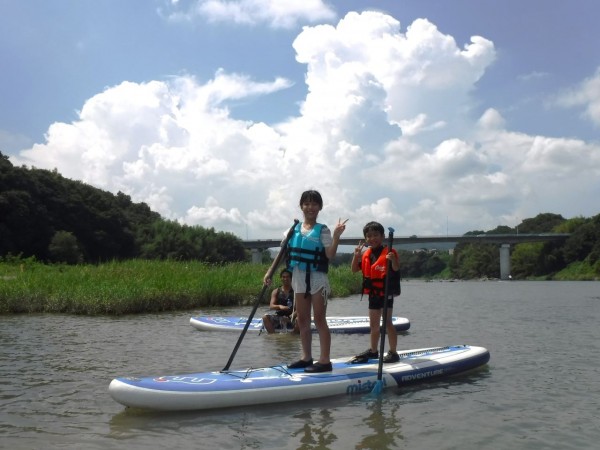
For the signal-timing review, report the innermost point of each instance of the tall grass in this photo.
(138, 286)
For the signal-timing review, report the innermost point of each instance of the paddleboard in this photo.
(350, 324)
(211, 390)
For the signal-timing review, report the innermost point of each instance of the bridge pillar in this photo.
(256, 256)
(504, 261)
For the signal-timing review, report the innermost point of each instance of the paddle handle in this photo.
(385, 305)
(269, 274)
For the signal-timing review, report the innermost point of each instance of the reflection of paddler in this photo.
(386, 426)
(316, 431)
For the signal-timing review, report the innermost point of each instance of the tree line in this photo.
(578, 257)
(54, 219)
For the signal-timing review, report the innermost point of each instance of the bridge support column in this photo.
(256, 256)
(504, 261)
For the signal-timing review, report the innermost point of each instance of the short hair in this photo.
(284, 271)
(311, 196)
(373, 226)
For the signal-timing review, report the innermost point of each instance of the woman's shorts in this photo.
(318, 282)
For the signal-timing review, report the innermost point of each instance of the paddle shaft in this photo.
(385, 306)
(260, 296)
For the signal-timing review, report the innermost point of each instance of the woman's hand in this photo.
(339, 228)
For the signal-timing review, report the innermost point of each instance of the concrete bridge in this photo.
(503, 240)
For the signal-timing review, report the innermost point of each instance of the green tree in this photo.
(475, 261)
(64, 248)
(525, 259)
(542, 223)
(584, 242)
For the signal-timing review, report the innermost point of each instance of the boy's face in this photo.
(374, 238)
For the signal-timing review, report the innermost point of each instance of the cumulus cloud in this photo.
(586, 95)
(386, 132)
(275, 13)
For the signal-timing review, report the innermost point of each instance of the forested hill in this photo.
(52, 218)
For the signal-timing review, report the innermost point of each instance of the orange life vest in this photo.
(374, 274)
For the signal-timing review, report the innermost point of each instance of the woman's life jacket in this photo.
(375, 272)
(307, 251)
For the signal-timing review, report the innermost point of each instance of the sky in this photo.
(432, 117)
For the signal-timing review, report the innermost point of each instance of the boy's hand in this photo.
(394, 259)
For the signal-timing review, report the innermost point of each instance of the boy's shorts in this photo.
(377, 302)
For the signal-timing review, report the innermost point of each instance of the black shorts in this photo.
(281, 321)
(377, 302)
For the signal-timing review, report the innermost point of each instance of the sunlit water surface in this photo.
(541, 389)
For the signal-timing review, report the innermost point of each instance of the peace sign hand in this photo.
(339, 228)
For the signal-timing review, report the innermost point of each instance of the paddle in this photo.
(270, 273)
(379, 383)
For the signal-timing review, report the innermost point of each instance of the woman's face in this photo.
(310, 209)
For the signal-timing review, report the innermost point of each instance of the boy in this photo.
(374, 266)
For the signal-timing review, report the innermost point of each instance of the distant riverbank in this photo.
(140, 286)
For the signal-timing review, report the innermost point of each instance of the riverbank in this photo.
(139, 286)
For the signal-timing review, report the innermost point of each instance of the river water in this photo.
(540, 390)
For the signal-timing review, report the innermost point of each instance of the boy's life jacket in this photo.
(307, 251)
(374, 269)
(284, 299)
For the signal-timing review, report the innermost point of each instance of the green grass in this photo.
(579, 271)
(139, 286)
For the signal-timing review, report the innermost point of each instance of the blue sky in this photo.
(429, 116)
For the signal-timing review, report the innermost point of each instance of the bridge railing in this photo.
(400, 240)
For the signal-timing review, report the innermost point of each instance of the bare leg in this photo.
(374, 322)
(391, 331)
(303, 306)
(320, 311)
(268, 324)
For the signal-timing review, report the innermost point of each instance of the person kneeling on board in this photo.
(282, 302)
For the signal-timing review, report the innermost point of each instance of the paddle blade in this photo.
(376, 391)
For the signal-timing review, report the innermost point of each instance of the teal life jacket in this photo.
(307, 250)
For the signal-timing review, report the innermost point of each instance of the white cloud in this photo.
(586, 95)
(274, 13)
(177, 145)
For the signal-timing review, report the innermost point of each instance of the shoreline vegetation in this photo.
(140, 286)
(149, 286)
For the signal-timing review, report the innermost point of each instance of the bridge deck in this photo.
(400, 240)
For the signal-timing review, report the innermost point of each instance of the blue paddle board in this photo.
(211, 390)
(350, 324)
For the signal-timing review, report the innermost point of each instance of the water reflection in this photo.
(385, 425)
(316, 432)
